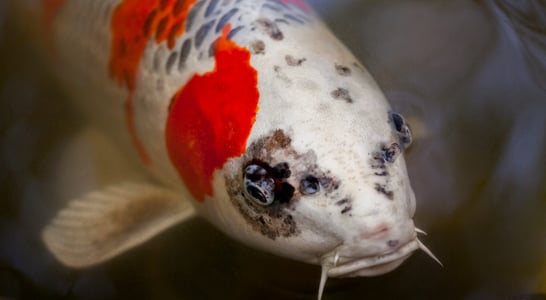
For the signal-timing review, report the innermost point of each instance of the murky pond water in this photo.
(469, 75)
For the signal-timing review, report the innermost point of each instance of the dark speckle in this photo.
(202, 33)
(280, 20)
(277, 68)
(281, 170)
(193, 13)
(162, 26)
(270, 28)
(148, 22)
(346, 209)
(210, 9)
(393, 243)
(293, 62)
(284, 192)
(343, 94)
(342, 201)
(343, 70)
(225, 19)
(258, 47)
(171, 61)
(271, 7)
(234, 31)
(294, 18)
(178, 6)
(378, 160)
(383, 190)
(382, 173)
(184, 53)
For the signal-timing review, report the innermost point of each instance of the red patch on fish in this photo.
(211, 117)
(134, 23)
(299, 3)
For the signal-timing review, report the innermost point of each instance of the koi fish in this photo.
(248, 113)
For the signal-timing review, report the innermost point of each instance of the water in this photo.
(469, 75)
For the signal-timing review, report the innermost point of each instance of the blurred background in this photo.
(470, 76)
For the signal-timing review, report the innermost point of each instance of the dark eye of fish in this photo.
(402, 128)
(309, 185)
(258, 186)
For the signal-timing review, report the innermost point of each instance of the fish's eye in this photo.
(309, 185)
(258, 187)
(403, 129)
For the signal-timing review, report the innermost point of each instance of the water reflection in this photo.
(469, 74)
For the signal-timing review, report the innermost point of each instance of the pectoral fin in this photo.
(105, 223)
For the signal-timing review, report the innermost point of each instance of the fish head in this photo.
(327, 188)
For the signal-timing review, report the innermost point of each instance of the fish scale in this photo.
(248, 113)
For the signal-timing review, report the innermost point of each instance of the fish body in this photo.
(249, 113)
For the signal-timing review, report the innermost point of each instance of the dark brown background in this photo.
(470, 75)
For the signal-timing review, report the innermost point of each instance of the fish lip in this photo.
(374, 265)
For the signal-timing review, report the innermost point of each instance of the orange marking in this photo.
(211, 117)
(299, 3)
(133, 24)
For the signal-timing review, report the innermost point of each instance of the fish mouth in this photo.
(372, 265)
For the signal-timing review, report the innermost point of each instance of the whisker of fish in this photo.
(420, 231)
(323, 278)
(428, 252)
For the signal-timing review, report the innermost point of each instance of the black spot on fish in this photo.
(163, 4)
(284, 21)
(258, 47)
(393, 243)
(162, 26)
(271, 7)
(173, 33)
(171, 61)
(346, 209)
(270, 28)
(274, 220)
(178, 6)
(293, 18)
(378, 160)
(210, 9)
(158, 54)
(234, 31)
(202, 33)
(342, 94)
(148, 23)
(383, 190)
(343, 71)
(225, 19)
(281, 170)
(190, 19)
(185, 50)
(342, 201)
(293, 62)
(382, 173)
